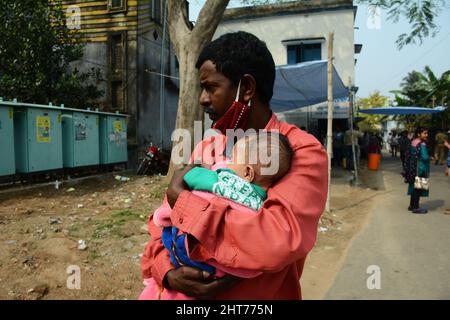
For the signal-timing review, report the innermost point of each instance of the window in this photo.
(157, 10)
(117, 62)
(304, 52)
(117, 52)
(117, 5)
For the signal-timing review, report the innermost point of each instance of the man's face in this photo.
(218, 92)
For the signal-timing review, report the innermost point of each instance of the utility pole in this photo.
(350, 105)
(330, 116)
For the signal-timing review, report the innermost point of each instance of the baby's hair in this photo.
(253, 143)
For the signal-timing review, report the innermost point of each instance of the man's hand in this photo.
(177, 184)
(198, 284)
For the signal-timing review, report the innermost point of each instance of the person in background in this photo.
(403, 145)
(338, 147)
(389, 142)
(440, 150)
(374, 144)
(393, 143)
(348, 139)
(447, 167)
(364, 145)
(417, 164)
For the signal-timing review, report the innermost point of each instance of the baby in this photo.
(257, 162)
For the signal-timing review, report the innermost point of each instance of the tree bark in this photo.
(188, 42)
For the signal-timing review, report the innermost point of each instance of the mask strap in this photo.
(238, 91)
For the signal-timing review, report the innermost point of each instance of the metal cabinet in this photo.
(7, 157)
(80, 132)
(113, 139)
(37, 139)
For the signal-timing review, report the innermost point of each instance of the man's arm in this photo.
(190, 281)
(283, 231)
(155, 261)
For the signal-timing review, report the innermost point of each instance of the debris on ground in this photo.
(39, 291)
(82, 245)
(54, 221)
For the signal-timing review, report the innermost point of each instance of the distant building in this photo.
(123, 38)
(297, 32)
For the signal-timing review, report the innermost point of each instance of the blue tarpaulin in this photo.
(304, 84)
(401, 110)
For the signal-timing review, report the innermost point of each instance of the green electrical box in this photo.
(80, 132)
(7, 158)
(38, 138)
(113, 139)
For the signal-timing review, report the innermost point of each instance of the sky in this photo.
(381, 66)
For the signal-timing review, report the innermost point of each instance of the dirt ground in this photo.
(40, 228)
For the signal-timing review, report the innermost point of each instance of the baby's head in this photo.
(262, 158)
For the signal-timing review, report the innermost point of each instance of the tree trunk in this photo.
(188, 42)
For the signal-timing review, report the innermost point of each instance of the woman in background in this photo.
(418, 165)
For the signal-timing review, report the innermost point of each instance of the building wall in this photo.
(276, 29)
(142, 52)
(153, 126)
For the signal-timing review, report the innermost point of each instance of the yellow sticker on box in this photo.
(117, 126)
(43, 129)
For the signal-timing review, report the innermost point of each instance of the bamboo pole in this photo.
(330, 116)
(352, 120)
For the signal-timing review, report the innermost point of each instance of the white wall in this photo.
(273, 30)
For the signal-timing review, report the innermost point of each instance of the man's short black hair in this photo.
(239, 53)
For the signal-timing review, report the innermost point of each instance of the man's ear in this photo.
(248, 87)
(249, 173)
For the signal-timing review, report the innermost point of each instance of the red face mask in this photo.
(236, 117)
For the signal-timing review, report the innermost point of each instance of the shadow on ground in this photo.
(433, 204)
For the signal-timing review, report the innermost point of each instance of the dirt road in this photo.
(409, 253)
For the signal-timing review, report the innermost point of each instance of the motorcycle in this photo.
(154, 161)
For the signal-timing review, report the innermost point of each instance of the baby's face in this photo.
(241, 169)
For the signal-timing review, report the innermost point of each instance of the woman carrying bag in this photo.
(418, 170)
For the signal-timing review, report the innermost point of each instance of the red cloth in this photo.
(275, 241)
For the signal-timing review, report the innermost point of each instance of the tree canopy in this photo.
(372, 122)
(425, 89)
(36, 49)
(421, 16)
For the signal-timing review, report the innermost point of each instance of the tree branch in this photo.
(178, 21)
(208, 20)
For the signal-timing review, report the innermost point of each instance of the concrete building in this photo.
(297, 32)
(124, 39)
